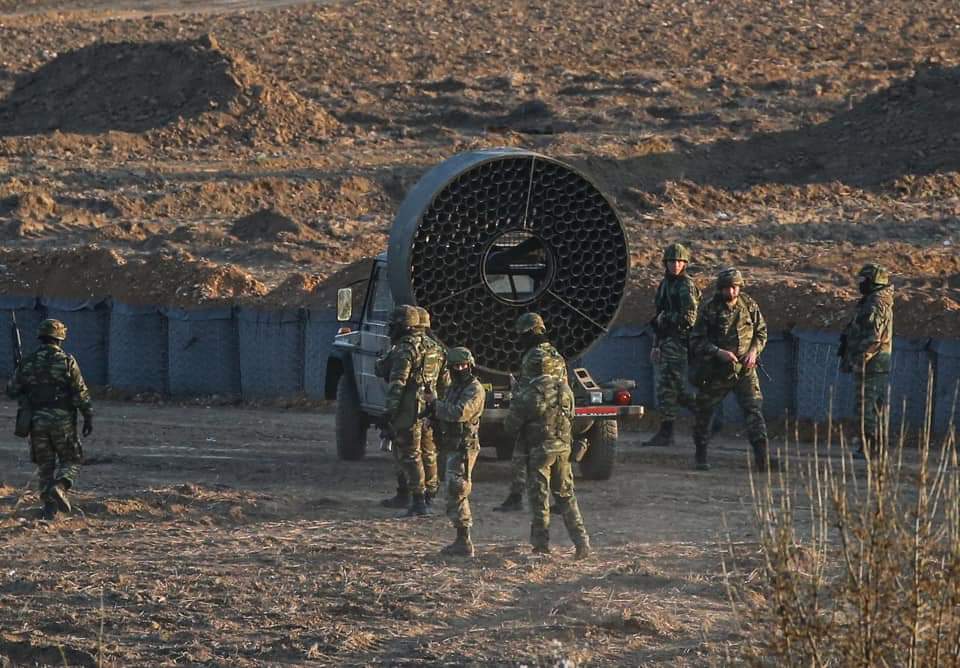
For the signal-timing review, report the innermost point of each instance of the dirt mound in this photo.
(268, 225)
(186, 93)
(174, 279)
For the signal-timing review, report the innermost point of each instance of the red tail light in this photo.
(622, 397)
(344, 330)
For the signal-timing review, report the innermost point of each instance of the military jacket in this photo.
(542, 355)
(676, 302)
(406, 383)
(458, 412)
(51, 381)
(737, 328)
(541, 414)
(870, 331)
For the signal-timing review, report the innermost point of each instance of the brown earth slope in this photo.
(794, 141)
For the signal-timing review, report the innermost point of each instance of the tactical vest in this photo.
(47, 390)
(461, 431)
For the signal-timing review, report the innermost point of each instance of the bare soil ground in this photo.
(231, 536)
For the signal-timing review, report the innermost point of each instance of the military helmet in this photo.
(728, 277)
(53, 329)
(405, 316)
(530, 322)
(875, 274)
(676, 252)
(459, 355)
(423, 317)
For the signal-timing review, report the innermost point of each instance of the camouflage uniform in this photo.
(457, 414)
(436, 379)
(676, 302)
(542, 414)
(867, 345)
(541, 354)
(738, 328)
(50, 382)
(404, 407)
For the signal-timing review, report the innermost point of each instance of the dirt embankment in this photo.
(259, 153)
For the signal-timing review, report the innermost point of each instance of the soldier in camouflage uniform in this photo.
(436, 377)
(676, 301)
(405, 399)
(541, 415)
(865, 348)
(727, 339)
(50, 383)
(538, 351)
(457, 415)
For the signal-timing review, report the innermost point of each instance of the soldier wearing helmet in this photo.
(436, 378)
(405, 401)
(457, 413)
(49, 383)
(865, 349)
(538, 353)
(541, 414)
(727, 339)
(676, 304)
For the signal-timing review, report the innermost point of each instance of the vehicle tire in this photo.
(597, 463)
(352, 423)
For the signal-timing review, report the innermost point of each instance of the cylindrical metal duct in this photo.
(487, 235)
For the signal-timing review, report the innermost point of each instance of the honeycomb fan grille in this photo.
(578, 240)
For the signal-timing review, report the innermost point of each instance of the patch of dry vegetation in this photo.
(859, 564)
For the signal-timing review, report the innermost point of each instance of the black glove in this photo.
(87, 425)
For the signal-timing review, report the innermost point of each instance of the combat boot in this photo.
(49, 512)
(700, 457)
(462, 546)
(428, 497)
(58, 492)
(762, 462)
(663, 437)
(541, 548)
(402, 498)
(514, 503)
(418, 507)
(583, 550)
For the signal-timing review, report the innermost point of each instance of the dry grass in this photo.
(859, 563)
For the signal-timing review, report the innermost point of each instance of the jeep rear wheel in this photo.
(597, 463)
(352, 423)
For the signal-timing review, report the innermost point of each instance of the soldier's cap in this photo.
(53, 329)
(459, 355)
(676, 252)
(530, 322)
(875, 274)
(423, 317)
(728, 277)
(405, 315)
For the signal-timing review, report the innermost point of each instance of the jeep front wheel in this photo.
(352, 423)
(597, 463)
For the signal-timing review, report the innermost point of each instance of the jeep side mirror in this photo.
(344, 304)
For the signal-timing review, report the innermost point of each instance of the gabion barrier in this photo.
(204, 352)
(258, 354)
(271, 353)
(137, 354)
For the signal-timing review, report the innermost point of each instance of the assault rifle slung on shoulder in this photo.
(24, 411)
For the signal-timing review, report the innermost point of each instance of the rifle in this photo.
(24, 412)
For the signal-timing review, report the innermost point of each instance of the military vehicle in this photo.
(480, 239)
